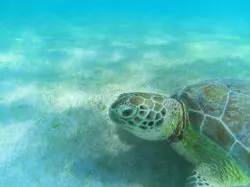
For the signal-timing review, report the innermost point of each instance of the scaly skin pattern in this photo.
(212, 162)
(143, 114)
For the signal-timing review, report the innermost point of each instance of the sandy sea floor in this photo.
(58, 79)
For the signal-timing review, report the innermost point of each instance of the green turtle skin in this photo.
(207, 122)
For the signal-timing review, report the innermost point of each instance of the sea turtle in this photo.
(208, 123)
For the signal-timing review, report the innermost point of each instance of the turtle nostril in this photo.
(127, 113)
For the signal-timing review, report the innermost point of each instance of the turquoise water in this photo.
(62, 63)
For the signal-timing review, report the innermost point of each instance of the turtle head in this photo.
(146, 115)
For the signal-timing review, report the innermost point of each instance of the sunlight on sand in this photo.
(9, 59)
(25, 93)
(116, 56)
(215, 50)
(10, 136)
(79, 53)
(69, 98)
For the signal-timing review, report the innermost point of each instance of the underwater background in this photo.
(62, 63)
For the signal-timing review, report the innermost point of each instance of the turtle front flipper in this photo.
(196, 180)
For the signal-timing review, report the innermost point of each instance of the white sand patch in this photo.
(211, 50)
(70, 98)
(116, 56)
(27, 92)
(76, 59)
(79, 53)
(10, 136)
(243, 52)
(10, 58)
(153, 58)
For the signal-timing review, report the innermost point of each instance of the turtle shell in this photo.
(220, 110)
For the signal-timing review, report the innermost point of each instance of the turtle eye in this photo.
(127, 112)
